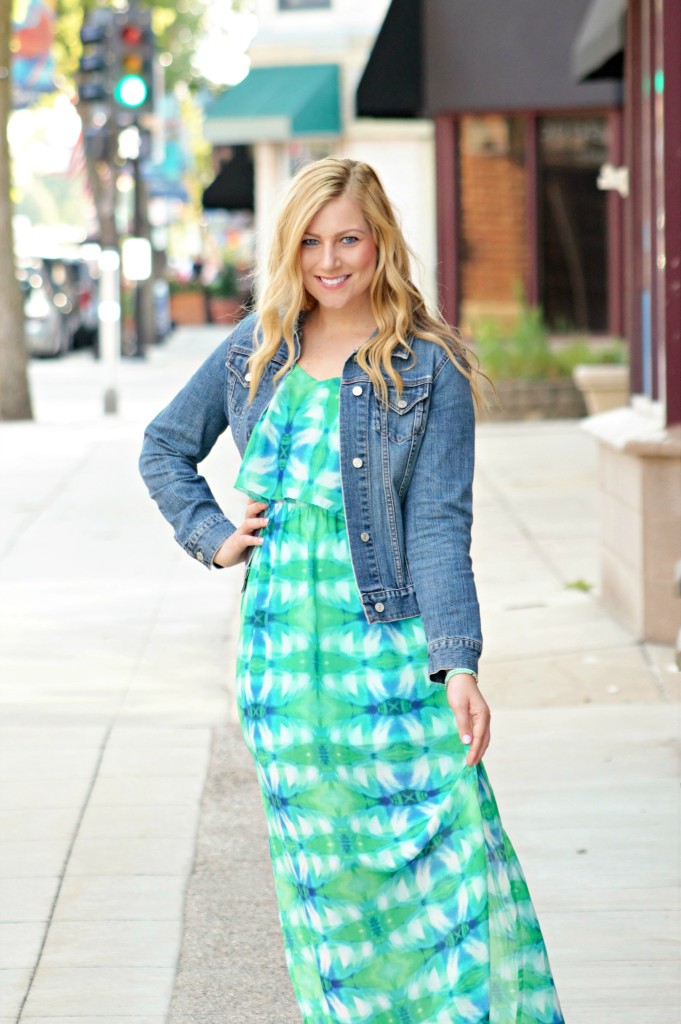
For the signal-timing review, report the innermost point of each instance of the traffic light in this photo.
(96, 36)
(134, 60)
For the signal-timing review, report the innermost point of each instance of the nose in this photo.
(329, 256)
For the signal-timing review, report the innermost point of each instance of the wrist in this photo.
(460, 672)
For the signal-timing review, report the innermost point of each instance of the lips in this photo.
(333, 282)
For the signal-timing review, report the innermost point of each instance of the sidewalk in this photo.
(117, 718)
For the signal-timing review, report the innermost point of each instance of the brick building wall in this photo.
(494, 239)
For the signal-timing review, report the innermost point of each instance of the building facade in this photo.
(640, 445)
(558, 154)
(298, 104)
(519, 145)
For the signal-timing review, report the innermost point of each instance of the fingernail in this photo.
(466, 738)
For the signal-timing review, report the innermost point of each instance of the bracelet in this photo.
(457, 671)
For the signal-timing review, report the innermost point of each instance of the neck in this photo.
(342, 323)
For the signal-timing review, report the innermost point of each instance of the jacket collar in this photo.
(400, 352)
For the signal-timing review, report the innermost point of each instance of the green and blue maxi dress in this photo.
(401, 898)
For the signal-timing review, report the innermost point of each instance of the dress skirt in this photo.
(400, 896)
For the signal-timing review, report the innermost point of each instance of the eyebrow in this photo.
(339, 234)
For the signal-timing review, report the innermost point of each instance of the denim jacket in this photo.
(406, 471)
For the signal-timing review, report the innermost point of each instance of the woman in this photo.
(401, 898)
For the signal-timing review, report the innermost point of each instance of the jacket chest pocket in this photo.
(405, 415)
(239, 380)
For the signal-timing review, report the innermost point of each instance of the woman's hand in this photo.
(235, 548)
(472, 715)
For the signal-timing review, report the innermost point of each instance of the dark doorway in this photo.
(573, 278)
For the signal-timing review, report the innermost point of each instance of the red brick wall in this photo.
(494, 243)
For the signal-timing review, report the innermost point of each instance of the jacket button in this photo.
(248, 376)
(402, 404)
(364, 537)
(379, 607)
(357, 463)
(199, 556)
(357, 390)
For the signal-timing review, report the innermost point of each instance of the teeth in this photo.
(333, 280)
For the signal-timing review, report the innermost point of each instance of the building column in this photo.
(447, 191)
(271, 173)
(670, 46)
(616, 235)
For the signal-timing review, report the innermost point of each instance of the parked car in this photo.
(75, 294)
(88, 303)
(45, 328)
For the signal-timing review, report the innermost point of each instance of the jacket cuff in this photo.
(449, 652)
(205, 541)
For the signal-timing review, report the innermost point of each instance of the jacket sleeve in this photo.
(175, 442)
(438, 515)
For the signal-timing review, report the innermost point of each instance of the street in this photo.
(124, 785)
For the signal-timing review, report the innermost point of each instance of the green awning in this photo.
(273, 104)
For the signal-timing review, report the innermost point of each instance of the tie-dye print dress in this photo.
(401, 898)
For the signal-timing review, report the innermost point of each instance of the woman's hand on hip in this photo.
(472, 715)
(235, 548)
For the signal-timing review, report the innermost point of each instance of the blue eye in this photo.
(309, 241)
(350, 238)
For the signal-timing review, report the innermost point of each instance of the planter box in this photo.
(224, 310)
(639, 481)
(604, 386)
(534, 400)
(188, 307)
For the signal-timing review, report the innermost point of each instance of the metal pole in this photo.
(110, 325)
(140, 331)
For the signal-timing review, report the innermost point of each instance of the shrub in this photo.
(525, 351)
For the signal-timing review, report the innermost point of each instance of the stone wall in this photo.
(534, 400)
(640, 531)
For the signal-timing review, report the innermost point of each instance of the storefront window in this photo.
(295, 5)
(572, 223)
(493, 223)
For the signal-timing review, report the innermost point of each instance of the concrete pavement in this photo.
(125, 788)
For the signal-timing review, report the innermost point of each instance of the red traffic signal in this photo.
(131, 35)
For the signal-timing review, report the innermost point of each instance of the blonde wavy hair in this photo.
(397, 305)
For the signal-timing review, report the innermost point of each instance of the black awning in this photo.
(391, 85)
(233, 188)
(598, 49)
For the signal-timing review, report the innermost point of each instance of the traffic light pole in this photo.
(138, 227)
(116, 93)
(110, 324)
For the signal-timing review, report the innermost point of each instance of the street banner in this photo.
(33, 69)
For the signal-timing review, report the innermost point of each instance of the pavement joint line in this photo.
(65, 866)
(515, 517)
(523, 656)
(152, 621)
(30, 520)
(654, 671)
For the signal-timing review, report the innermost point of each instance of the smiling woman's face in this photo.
(338, 257)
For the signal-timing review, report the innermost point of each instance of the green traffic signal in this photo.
(131, 91)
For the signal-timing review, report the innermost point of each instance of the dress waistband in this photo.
(281, 504)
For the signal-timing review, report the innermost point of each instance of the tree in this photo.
(15, 400)
(176, 28)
